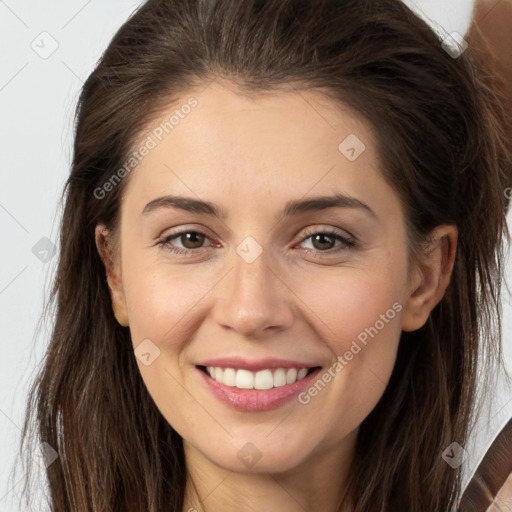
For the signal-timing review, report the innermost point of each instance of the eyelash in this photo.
(346, 244)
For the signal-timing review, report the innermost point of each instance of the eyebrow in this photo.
(291, 208)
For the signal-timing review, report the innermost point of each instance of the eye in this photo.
(323, 241)
(191, 240)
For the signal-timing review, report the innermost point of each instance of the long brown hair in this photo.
(442, 149)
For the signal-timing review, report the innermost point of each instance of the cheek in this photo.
(358, 315)
(161, 300)
(162, 307)
(353, 304)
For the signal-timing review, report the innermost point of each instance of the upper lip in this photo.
(255, 365)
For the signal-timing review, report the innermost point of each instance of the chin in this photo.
(258, 457)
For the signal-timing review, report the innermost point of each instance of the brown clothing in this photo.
(490, 40)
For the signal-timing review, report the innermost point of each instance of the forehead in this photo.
(273, 145)
(224, 117)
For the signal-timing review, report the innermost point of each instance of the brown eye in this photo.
(192, 239)
(184, 241)
(323, 241)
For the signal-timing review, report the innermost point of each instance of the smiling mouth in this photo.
(261, 380)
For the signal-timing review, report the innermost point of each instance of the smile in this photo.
(263, 379)
(259, 390)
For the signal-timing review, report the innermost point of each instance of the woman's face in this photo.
(246, 190)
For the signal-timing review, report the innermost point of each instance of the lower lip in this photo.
(257, 399)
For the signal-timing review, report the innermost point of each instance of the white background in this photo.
(37, 100)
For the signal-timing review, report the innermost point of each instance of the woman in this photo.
(209, 351)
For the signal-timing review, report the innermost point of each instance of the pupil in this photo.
(323, 237)
(189, 237)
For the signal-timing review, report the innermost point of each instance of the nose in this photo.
(253, 299)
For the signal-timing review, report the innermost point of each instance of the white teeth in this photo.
(279, 378)
(244, 379)
(229, 377)
(291, 375)
(263, 379)
(302, 373)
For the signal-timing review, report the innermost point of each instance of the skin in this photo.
(298, 300)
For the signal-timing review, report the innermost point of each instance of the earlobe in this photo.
(113, 275)
(431, 279)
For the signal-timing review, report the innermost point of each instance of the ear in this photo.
(431, 278)
(113, 274)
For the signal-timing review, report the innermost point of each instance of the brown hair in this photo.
(442, 149)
